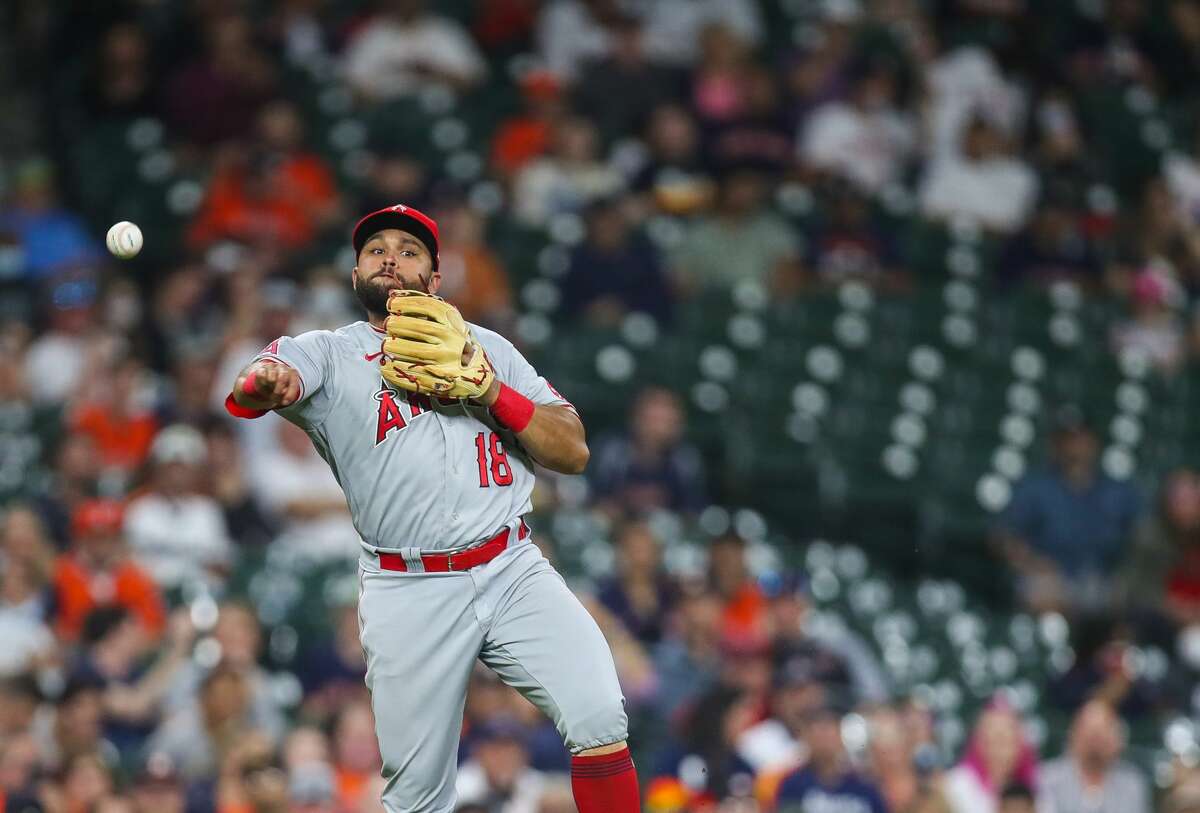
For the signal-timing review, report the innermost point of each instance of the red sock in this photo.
(605, 784)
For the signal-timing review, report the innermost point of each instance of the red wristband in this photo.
(512, 410)
(248, 384)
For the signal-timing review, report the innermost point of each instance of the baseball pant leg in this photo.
(421, 637)
(544, 643)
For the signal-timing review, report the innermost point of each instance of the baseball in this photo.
(124, 240)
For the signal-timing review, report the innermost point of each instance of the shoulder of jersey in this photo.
(489, 338)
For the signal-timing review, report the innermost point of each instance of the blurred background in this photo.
(881, 315)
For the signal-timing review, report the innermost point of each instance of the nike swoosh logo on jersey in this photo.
(372, 356)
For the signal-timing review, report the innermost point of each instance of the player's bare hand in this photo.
(270, 384)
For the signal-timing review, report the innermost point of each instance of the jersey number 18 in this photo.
(501, 472)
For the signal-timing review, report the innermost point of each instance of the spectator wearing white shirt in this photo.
(568, 179)
(405, 49)
(174, 531)
(865, 139)
(671, 28)
(984, 185)
(497, 776)
(292, 482)
(573, 32)
(1090, 777)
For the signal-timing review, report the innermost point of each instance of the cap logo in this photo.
(399, 207)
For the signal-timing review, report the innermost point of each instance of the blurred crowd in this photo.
(693, 146)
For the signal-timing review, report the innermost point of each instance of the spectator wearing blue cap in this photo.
(498, 776)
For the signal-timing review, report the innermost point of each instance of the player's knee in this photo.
(605, 724)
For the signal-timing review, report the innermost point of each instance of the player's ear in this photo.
(354, 277)
(435, 282)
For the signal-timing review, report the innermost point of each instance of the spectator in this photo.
(1156, 330)
(74, 480)
(687, 659)
(175, 531)
(247, 523)
(97, 571)
(217, 96)
(49, 237)
(828, 778)
(158, 788)
(116, 415)
(86, 781)
(1101, 669)
(311, 789)
(650, 466)
(1068, 527)
(57, 358)
(741, 241)
(26, 636)
(985, 185)
(23, 540)
(213, 728)
(114, 657)
(614, 272)
(867, 139)
(893, 765)
(705, 761)
(1181, 172)
(473, 276)
(239, 636)
(720, 80)
(124, 82)
(1163, 573)
(405, 48)
(760, 135)
(497, 776)
(961, 82)
(334, 671)
(674, 179)
(520, 139)
(997, 754)
(567, 179)
(1054, 247)
(74, 728)
(278, 193)
(356, 753)
(850, 245)
(840, 659)
(744, 610)
(1090, 778)
(620, 89)
(571, 32)
(775, 746)
(673, 28)
(292, 481)
(1016, 798)
(641, 594)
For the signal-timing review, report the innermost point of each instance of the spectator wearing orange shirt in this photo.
(472, 276)
(117, 417)
(97, 572)
(278, 193)
(526, 136)
(745, 606)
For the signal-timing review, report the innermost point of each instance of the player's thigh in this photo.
(544, 643)
(421, 638)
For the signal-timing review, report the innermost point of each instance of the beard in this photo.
(373, 293)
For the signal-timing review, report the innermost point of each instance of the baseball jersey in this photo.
(417, 471)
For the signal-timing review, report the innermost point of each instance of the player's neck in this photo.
(376, 319)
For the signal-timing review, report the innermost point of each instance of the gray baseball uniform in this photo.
(421, 474)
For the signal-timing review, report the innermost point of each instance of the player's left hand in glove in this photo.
(430, 348)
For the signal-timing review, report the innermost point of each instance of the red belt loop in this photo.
(450, 562)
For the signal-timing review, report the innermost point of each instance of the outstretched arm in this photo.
(266, 384)
(552, 433)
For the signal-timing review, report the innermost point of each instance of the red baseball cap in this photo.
(92, 516)
(406, 218)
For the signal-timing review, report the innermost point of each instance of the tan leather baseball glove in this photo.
(430, 348)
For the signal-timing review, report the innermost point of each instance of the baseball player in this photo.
(432, 426)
